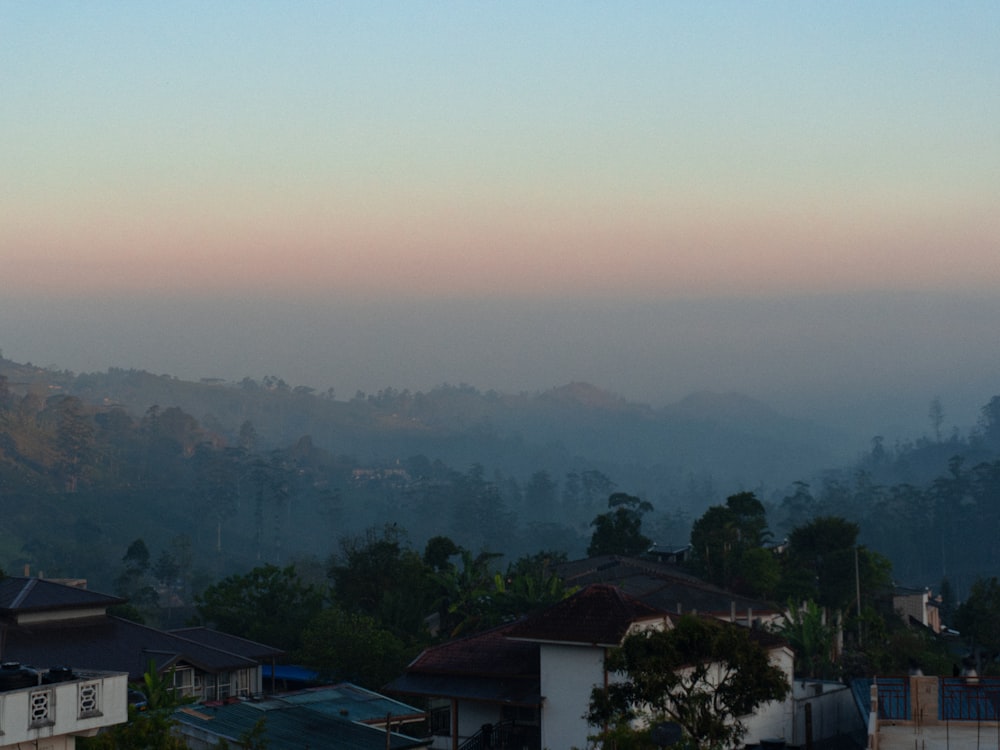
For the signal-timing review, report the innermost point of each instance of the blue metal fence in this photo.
(894, 698)
(961, 699)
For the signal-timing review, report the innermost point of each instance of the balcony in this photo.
(58, 704)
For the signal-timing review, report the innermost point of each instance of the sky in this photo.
(793, 200)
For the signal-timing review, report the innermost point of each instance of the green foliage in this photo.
(820, 566)
(978, 620)
(149, 729)
(159, 691)
(270, 605)
(623, 736)
(619, 531)
(726, 546)
(530, 584)
(702, 673)
(135, 585)
(891, 647)
(812, 638)
(438, 551)
(146, 730)
(255, 738)
(468, 594)
(378, 575)
(354, 647)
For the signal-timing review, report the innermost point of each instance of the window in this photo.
(242, 682)
(441, 721)
(41, 708)
(222, 684)
(183, 680)
(89, 699)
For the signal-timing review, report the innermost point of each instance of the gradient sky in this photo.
(561, 178)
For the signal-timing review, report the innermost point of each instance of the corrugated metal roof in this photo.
(291, 727)
(350, 701)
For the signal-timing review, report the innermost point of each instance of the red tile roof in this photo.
(599, 614)
(489, 653)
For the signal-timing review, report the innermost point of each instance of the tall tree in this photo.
(353, 647)
(270, 605)
(74, 440)
(825, 563)
(978, 620)
(701, 673)
(726, 545)
(619, 531)
(379, 575)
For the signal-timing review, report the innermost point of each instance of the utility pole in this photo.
(857, 588)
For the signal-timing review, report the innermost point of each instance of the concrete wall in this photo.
(833, 709)
(61, 701)
(472, 716)
(569, 673)
(773, 720)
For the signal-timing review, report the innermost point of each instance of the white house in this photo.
(529, 684)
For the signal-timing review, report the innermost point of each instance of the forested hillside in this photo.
(219, 477)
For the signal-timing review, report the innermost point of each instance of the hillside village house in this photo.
(918, 607)
(45, 623)
(528, 684)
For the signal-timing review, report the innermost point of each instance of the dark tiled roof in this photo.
(599, 614)
(489, 653)
(485, 666)
(291, 727)
(661, 585)
(19, 594)
(114, 644)
(231, 643)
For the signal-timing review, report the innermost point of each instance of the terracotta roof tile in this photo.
(599, 614)
(490, 653)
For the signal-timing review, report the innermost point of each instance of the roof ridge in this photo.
(29, 585)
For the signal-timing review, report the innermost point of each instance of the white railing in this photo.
(78, 706)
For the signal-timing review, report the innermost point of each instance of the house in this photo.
(918, 607)
(44, 623)
(528, 684)
(482, 680)
(343, 716)
(50, 710)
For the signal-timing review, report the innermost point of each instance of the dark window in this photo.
(441, 721)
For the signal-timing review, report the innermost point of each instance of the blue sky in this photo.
(555, 156)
